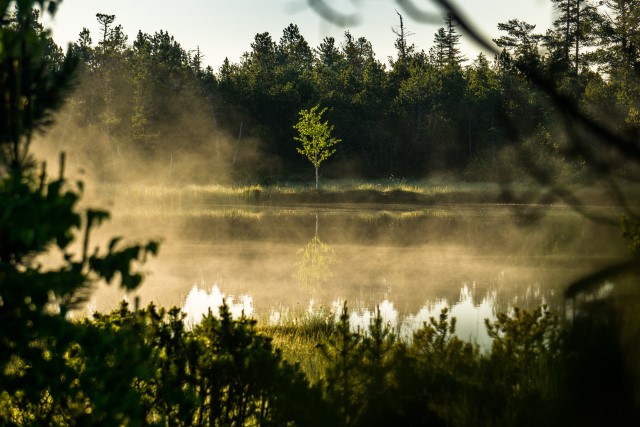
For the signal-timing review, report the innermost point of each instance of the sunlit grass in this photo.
(163, 212)
(250, 193)
(183, 212)
(157, 191)
(385, 186)
(297, 334)
(395, 200)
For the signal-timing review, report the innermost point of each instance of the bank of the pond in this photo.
(373, 195)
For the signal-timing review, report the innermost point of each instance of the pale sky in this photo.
(226, 28)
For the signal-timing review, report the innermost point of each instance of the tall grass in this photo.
(215, 193)
(297, 335)
(371, 200)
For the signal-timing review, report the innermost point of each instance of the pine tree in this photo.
(328, 54)
(520, 42)
(571, 31)
(619, 35)
(446, 49)
(294, 50)
(438, 51)
(454, 57)
(105, 22)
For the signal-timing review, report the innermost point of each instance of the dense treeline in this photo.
(422, 113)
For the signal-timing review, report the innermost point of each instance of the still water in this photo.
(275, 263)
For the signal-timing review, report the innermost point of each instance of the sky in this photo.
(226, 28)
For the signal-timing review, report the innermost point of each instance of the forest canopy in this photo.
(420, 114)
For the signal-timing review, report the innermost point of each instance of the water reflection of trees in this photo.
(314, 267)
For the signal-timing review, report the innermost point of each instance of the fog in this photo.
(272, 262)
(271, 259)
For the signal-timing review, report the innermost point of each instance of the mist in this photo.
(221, 240)
(187, 149)
(187, 157)
(283, 259)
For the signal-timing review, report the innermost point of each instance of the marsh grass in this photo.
(191, 193)
(394, 214)
(183, 212)
(364, 200)
(385, 196)
(332, 191)
(298, 336)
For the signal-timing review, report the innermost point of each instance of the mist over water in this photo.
(278, 260)
(280, 263)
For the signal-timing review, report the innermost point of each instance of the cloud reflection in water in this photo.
(199, 302)
(469, 313)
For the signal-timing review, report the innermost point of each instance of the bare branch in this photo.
(419, 15)
(333, 16)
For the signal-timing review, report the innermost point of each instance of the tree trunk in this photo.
(317, 186)
(577, 65)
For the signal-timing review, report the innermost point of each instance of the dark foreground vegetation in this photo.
(144, 367)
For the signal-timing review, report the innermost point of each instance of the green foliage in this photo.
(524, 335)
(40, 380)
(524, 365)
(37, 338)
(220, 373)
(631, 232)
(436, 378)
(158, 350)
(436, 343)
(360, 380)
(31, 87)
(427, 112)
(447, 368)
(376, 369)
(315, 137)
(343, 351)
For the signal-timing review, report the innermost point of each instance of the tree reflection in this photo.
(315, 264)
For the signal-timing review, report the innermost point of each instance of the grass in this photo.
(161, 192)
(297, 336)
(182, 212)
(166, 212)
(248, 193)
(391, 191)
(375, 193)
(363, 200)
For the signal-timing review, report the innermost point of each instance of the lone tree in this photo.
(315, 136)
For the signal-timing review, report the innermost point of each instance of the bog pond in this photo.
(276, 263)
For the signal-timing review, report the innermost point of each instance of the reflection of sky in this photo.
(469, 317)
(361, 319)
(469, 312)
(199, 302)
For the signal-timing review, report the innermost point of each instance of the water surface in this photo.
(409, 261)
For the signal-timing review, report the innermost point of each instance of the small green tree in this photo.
(315, 136)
